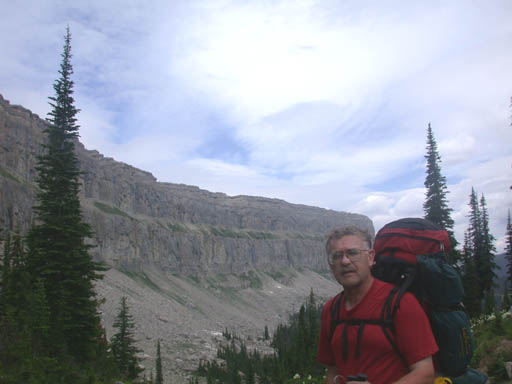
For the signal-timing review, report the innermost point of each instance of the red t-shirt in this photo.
(413, 337)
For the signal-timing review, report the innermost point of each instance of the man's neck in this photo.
(354, 295)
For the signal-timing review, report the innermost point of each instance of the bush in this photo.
(493, 343)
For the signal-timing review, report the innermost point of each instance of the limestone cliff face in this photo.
(143, 224)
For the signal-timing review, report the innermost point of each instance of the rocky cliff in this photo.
(190, 262)
(141, 223)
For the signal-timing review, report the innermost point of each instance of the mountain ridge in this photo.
(187, 259)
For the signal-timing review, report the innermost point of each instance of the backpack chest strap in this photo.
(361, 323)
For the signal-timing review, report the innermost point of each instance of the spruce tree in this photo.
(470, 279)
(435, 206)
(266, 334)
(489, 302)
(14, 288)
(508, 251)
(505, 303)
(481, 243)
(159, 379)
(58, 252)
(488, 266)
(474, 238)
(123, 343)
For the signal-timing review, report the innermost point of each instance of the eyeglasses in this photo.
(353, 254)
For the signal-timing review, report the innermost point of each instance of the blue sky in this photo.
(324, 103)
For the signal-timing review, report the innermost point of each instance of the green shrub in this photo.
(253, 279)
(4, 173)
(489, 332)
(110, 210)
(176, 227)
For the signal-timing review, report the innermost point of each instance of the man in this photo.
(350, 258)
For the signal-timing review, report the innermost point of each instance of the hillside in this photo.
(190, 261)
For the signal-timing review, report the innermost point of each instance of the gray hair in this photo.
(338, 233)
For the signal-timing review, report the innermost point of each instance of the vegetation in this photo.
(478, 259)
(4, 173)
(241, 234)
(252, 279)
(123, 343)
(110, 210)
(295, 346)
(492, 334)
(176, 228)
(50, 329)
(508, 251)
(436, 204)
(159, 379)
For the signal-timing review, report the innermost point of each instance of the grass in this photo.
(239, 234)
(490, 335)
(4, 173)
(226, 232)
(111, 210)
(176, 227)
(145, 280)
(276, 275)
(258, 235)
(253, 279)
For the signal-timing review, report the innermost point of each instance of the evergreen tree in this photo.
(123, 343)
(474, 238)
(435, 206)
(470, 280)
(159, 377)
(58, 252)
(505, 303)
(508, 250)
(489, 302)
(14, 345)
(488, 250)
(266, 334)
(480, 243)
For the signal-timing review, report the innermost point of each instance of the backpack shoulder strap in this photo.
(385, 322)
(335, 312)
(387, 316)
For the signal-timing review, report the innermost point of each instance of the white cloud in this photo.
(321, 103)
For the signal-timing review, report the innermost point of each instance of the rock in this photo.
(508, 368)
(191, 263)
(141, 223)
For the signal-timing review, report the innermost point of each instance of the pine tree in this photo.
(266, 334)
(481, 243)
(488, 250)
(489, 302)
(508, 250)
(159, 379)
(505, 303)
(14, 344)
(474, 238)
(470, 279)
(123, 343)
(435, 206)
(58, 252)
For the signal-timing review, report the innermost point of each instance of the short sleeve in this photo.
(325, 354)
(414, 336)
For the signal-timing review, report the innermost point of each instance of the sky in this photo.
(323, 103)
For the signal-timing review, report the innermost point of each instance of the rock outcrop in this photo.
(190, 262)
(178, 229)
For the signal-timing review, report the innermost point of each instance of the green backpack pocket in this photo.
(453, 335)
(472, 376)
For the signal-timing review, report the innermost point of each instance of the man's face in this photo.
(351, 273)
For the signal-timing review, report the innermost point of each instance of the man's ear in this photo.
(371, 256)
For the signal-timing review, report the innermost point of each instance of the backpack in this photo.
(411, 254)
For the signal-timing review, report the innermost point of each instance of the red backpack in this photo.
(411, 254)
